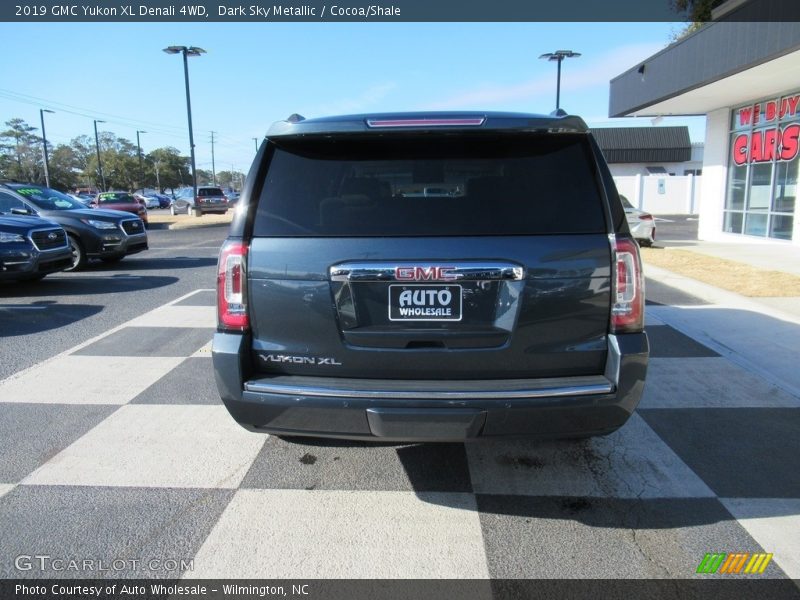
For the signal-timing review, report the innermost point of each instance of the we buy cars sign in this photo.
(769, 143)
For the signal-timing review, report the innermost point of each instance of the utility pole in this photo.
(139, 152)
(97, 148)
(213, 166)
(44, 147)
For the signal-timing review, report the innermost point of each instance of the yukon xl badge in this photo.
(299, 360)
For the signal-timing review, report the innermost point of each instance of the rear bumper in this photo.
(432, 411)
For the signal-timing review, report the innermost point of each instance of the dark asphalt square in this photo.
(150, 341)
(203, 298)
(106, 523)
(737, 452)
(32, 434)
(305, 463)
(661, 294)
(666, 342)
(191, 382)
(558, 537)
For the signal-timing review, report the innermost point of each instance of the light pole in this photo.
(558, 56)
(139, 153)
(97, 147)
(213, 165)
(187, 52)
(44, 146)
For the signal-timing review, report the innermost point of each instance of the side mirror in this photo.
(20, 211)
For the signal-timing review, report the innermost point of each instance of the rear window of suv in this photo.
(204, 192)
(442, 185)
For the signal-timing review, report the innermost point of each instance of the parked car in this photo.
(163, 200)
(109, 235)
(641, 223)
(31, 248)
(148, 201)
(121, 201)
(512, 305)
(210, 199)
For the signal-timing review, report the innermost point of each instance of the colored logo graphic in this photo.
(734, 563)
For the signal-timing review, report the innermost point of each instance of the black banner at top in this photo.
(381, 10)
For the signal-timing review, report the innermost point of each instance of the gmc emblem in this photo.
(425, 274)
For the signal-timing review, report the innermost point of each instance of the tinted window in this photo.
(45, 198)
(115, 198)
(209, 192)
(435, 185)
(7, 202)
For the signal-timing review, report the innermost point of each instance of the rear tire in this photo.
(79, 259)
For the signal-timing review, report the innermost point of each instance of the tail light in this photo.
(627, 299)
(232, 287)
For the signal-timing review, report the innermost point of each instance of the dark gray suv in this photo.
(430, 277)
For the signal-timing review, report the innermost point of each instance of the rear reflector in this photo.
(627, 300)
(231, 287)
(443, 122)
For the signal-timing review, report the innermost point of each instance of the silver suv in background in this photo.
(210, 200)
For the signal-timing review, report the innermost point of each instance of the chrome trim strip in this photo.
(66, 239)
(460, 270)
(545, 392)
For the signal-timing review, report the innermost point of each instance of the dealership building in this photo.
(743, 74)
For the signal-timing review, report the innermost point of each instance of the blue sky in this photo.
(257, 73)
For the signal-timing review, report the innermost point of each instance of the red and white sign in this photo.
(779, 143)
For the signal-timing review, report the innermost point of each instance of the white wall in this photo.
(662, 194)
(715, 172)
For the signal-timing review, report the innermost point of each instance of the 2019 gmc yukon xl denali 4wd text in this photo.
(430, 277)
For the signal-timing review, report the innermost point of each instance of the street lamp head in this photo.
(98, 121)
(560, 55)
(140, 131)
(47, 110)
(188, 50)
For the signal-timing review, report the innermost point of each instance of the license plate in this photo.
(424, 302)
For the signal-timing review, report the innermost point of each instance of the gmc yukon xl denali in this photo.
(430, 277)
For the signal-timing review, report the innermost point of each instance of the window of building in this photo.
(763, 168)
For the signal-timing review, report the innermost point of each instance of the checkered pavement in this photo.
(121, 449)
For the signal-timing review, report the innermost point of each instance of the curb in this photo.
(765, 352)
(194, 225)
(715, 295)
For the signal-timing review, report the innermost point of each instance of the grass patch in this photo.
(722, 273)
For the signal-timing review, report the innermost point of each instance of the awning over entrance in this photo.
(722, 64)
